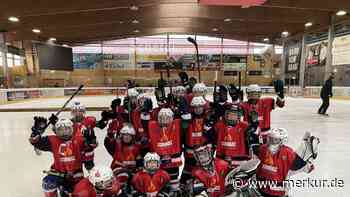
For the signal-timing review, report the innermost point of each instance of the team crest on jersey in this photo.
(66, 149)
(198, 125)
(228, 142)
(269, 160)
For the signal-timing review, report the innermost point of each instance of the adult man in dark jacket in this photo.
(326, 93)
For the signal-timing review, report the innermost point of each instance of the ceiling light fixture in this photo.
(227, 20)
(13, 19)
(215, 29)
(341, 13)
(64, 45)
(134, 8)
(308, 24)
(285, 34)
(36, 31)
(266, 39)
(52, 39)
(137, 31)
(135, 21)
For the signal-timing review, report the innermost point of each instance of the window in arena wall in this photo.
(17, 60)
(255, 73)
(1, 60)
(10, 60)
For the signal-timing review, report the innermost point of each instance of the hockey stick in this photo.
(37, 151)
(241, 94)
(191, 40)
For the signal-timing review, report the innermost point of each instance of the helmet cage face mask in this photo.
(104, 185)
(64, 132)
(164, 121)
(198, 110)
(152, 166)
(78, 114)
(126, 138)
(232, 117)
(274, 141)
(203, 155)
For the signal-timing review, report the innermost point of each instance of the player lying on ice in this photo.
(67, 150)
(278, 162)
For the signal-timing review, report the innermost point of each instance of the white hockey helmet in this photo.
(128, 129)
(275, 138)
(199, 89)
(132, 92)
(253, 91)
(101, 177)
(198, 103)
(77, 108)
(179, 91)
(165, 116)
(127, 133)
(64, 128)
(151, 162)
(280, 134)
(253, 88)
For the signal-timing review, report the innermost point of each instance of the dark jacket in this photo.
(326, 90)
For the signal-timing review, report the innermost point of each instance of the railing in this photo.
(8, 95)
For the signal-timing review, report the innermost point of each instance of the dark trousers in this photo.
(324, 106)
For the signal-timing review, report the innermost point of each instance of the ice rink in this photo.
(21, 170)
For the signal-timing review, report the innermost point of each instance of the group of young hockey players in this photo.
(212, 142)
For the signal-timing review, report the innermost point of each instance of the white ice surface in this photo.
(21, 169)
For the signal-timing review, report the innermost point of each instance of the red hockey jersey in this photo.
(166, 141)
(274, 167)
(214, 183)
(67, 154)
(89, 122)
(194, 135)
(264, 106)
(148, 184)
(85, 189)
(232, 141)
(125, 154)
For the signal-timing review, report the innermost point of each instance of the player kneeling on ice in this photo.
(278, 160)
(257, 110)
(126, 154)
(151, 181)
(165, 141)
(66, 169)
(100, 183)
(209, 175)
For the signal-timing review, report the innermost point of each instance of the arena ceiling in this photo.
(83, 21)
